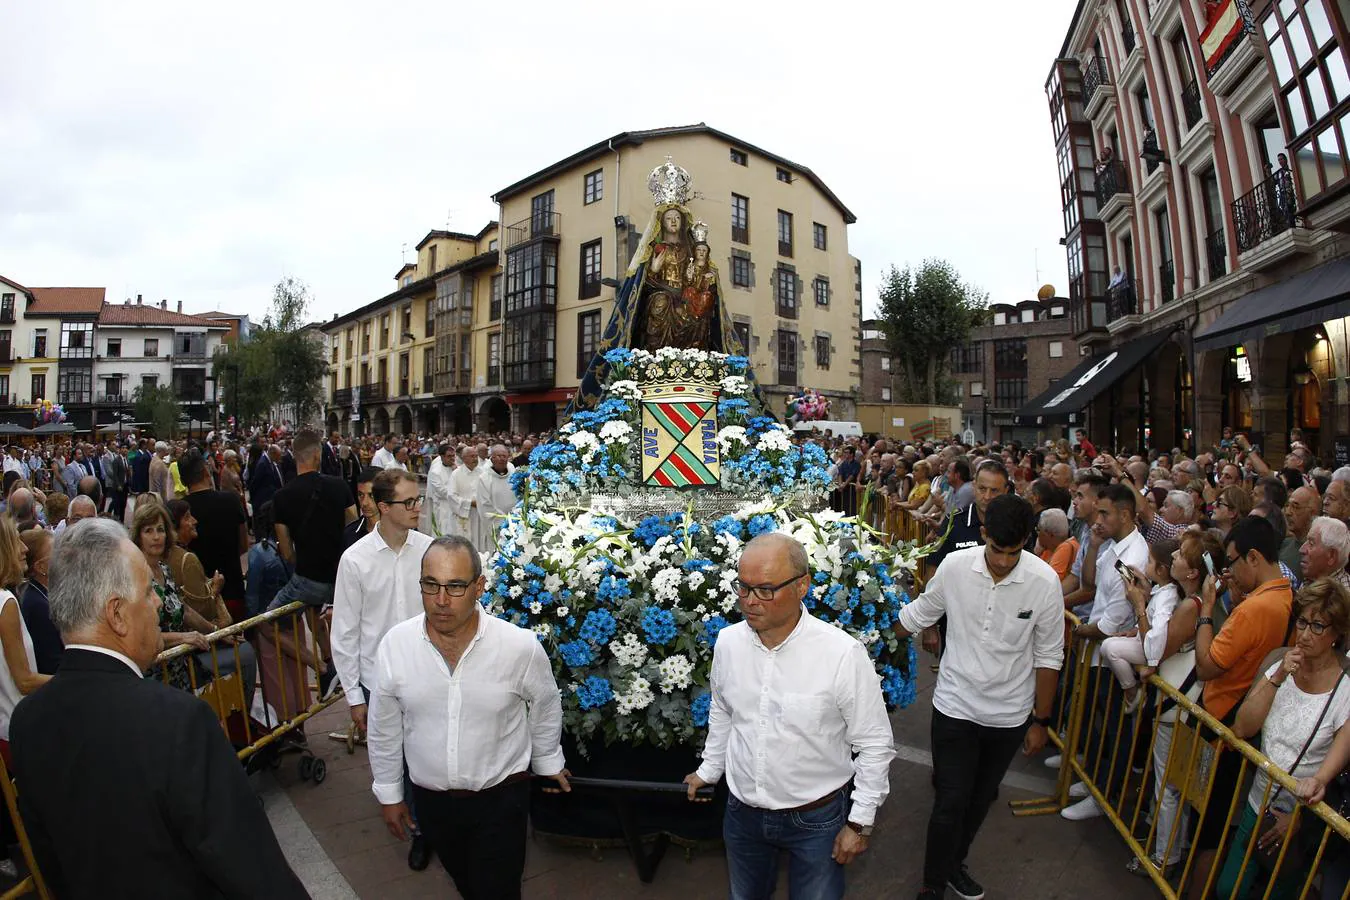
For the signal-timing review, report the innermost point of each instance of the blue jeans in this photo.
(313, 593)
(754, 838)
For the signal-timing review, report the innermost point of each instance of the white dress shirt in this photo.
(107, 651)
(1111, 609)
(785, 722)
(497, 713)
(997, 635)
(376, 589)
(384, 459)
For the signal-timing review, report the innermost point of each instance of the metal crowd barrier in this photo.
(1148, 773)
(284, 649)
(31, 883)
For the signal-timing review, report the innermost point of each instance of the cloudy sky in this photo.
(201, 153)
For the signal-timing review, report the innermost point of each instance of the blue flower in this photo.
(619, 356)
(761, 524)
(737, 364)
(699, 709)
(728, 525)
(652, 529)
(659, 625)
(613, 590)
(595, 692)
(598, 627)
(576, 653)
(712, 628)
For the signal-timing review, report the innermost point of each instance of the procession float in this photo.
(623, 549)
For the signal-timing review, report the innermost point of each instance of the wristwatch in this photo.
(1204, 620)
(861, 830)
(1043, 721)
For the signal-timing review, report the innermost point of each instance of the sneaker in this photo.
(1078, 790)
(1087, 808)
(1132, 706)
(1054, 762)
(965, 887)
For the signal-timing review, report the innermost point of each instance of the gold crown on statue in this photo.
(700, 232)
(669, 183)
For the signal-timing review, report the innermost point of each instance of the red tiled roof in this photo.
(55, 300)
(142, 315)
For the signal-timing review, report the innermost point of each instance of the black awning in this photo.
(1072, 393)
(1309, 298)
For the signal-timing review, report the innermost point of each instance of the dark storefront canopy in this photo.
(1071, 394)
(1307, 299)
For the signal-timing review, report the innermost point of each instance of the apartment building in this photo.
(1205, 195)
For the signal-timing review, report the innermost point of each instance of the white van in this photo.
(836, 428)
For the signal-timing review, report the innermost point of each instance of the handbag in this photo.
(1294, 851)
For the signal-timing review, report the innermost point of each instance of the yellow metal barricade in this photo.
(31, 883)
(1122, 765)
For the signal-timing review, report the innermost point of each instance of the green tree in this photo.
(279, 364)
(926, 314)
(158, 405)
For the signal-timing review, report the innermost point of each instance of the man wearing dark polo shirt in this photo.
(222, 532)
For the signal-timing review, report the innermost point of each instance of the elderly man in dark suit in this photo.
(129, 788)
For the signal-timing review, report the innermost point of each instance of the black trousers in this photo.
(480, 838)
(969, 762)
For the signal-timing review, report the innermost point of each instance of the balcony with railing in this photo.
(1112, 179)
(1121, 300)
(1167, 280)
(374, 391)
(544, 224)
(342, 397)
(112, 399)
(1149, 150)
(403, 386)
(1190, 103)
(7, 314)
(1095, 75)
(1216, 253)
(64, 397)
(1266, 210)
(529, 375)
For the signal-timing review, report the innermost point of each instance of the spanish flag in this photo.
(1226, 25)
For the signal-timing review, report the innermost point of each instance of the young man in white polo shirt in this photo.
(996, 688)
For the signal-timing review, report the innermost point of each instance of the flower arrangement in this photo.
(598, 449)
(629, 612)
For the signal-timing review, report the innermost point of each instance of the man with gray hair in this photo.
(496, 496)
(130, 788)
(1326, 551)
(81, 507)
(1053, 543)
(22, 509)
(1336, 501)
(161, 482)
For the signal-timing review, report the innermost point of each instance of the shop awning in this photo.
(1072, 393)
(557, 395)
(1309, 298)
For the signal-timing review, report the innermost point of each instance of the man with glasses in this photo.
(996, 688)
(793, 700)
(377, 589)
(1229, 661)
(470, 701)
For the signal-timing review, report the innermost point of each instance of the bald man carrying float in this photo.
(793, 699)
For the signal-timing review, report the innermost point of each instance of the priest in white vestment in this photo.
(465, 484)
(496, 498)
(437, 509)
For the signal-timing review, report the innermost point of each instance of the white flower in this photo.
(774, 439)
(517, 574)
(562, 612)
(552, 583)
(735, 384)
(585, 443)
(626, 389)
(638, 696)
(700, 610)
(515, 591)
(536, 608)
(543, 628)
(863, 578)
(629, 650)
(676, 673)
(695, 580)
(666, 585)
(729, 436)
(616, 431)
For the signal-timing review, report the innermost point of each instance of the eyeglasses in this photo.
(409, 504)
(431, 587)
(1224, 503)
(762, 592)
(1303, 624)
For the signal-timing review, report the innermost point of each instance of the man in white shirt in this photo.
(14, 462)
(465, 482)
(470, 701)
(996, 688)
(1112, 614)
(793, 699)
(438, 491)
(376, 589)
(384, 457)
(496, 498)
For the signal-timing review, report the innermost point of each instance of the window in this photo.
(1056, 349)
(784, 233)
(822, 351)
(1311, 69)
(351, 334)
(1000, 318)
(495, 304)
(492, 245)
(406, 328)
(77, 340)
(384, 331)
(787, 357)
(465, 358)
(739, 157)
(4, 390)
(1057, 311)
(494, 366)
(7, 307)
(740, 271)
(821, 288)
(1010, 393)
(431, 260)
(188, 384)
(786, 283)
(1010, 357)
(1028, 315)
(818, 237)
(590, 270)
(886, 394)
(976, 388)
(968, 359)
(39, 385)
(151, 347)
(431, 318)
(541, 214)
(40, 343)
(784, 175)
(885, 364)
(743, 334)
(588, 338)
(404, 375)
(149, 382)
(528, 350)
(531, 280)
(428, 369)
(114, 348)
(594, 187)
(740, 219)
(407, 280)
